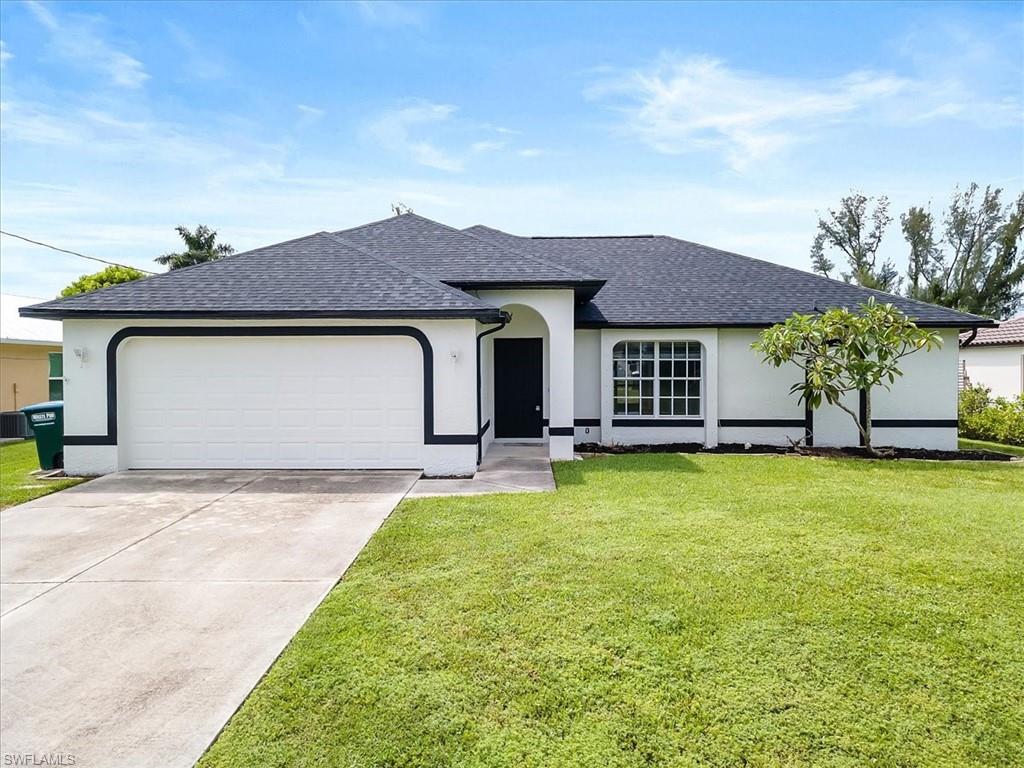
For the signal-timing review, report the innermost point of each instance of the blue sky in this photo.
(728, 124)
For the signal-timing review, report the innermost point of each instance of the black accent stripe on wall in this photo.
(587, 422)
(89, 440)
(561, 431)
(762, 422)
(928, 423)
(483, 428)
(658, 422)
(429, 437)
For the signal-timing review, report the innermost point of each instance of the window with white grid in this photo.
(656, 378)
(679, 371)
(633, 378)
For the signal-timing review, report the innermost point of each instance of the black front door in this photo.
(518, 387)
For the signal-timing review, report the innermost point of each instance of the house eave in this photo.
(584, 290)
(483, 314)
(32, 342)
(754, 325)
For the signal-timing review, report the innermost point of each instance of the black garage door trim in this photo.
(429, 437)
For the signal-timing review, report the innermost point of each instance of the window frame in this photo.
(50, 378)
(658, 380)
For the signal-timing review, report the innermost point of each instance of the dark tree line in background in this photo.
(970, 260)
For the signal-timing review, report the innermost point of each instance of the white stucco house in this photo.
(994, 357)
(406, 343)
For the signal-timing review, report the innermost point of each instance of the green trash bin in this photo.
(46, 420)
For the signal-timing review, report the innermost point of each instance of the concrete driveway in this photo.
(139, 609)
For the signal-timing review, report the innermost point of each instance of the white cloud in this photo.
(34, 125)
(486, 146)
(309, 113)
(108, 137)
(394, 131)
(76, 39)
(452, 142)
(200, 61)
(699, 103)
(42, 14)
(308, 26)
(5, 55)
(531, 152)
(388, 13)
(684, 104)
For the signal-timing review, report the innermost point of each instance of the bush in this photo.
(999, 420)
(102, 279)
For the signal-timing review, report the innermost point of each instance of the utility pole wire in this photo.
(75, 253)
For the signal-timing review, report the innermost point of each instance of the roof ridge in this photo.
(371, 223)
(456, 230)
(588, 237)
(816, 276)
(422, 278)
(537, 259)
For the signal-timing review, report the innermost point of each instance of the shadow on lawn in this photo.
(576, 472)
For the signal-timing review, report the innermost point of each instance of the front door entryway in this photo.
(518, 388)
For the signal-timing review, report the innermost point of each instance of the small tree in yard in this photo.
(841, 351)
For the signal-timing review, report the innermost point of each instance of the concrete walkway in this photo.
(506, 468)
(140, 609)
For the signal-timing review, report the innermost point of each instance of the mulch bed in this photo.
(839, 453)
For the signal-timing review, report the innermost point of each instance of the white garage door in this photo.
(299, 402)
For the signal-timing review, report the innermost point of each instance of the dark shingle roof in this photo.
(315, 276)
(454, 256)
(1009, 332)
(405, 266)
(662, 281)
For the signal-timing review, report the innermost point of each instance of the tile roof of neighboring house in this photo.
(1009, 332)
(406, 266)
(318, 275)
(25, 330)
(662, 281)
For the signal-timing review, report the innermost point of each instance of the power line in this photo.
(75, 253)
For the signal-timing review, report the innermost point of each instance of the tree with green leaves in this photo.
(842, 351)
(917, 226)
(977, 266)
(102, 279)
(856, 231)
(200, 246)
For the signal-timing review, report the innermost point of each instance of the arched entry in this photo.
(520, 386)
(547, 314)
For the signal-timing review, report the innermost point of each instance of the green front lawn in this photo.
(670, 610)
(984, 445)
(17, 485)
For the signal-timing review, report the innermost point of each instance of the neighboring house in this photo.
(407, 343)
(994, 357)
(31, 369)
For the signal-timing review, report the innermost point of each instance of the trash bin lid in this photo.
(49, 405)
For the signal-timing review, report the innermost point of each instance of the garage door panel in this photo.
(218, 452)
(271, 402)
(403, 418)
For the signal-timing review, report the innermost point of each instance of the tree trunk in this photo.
(866, 426)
